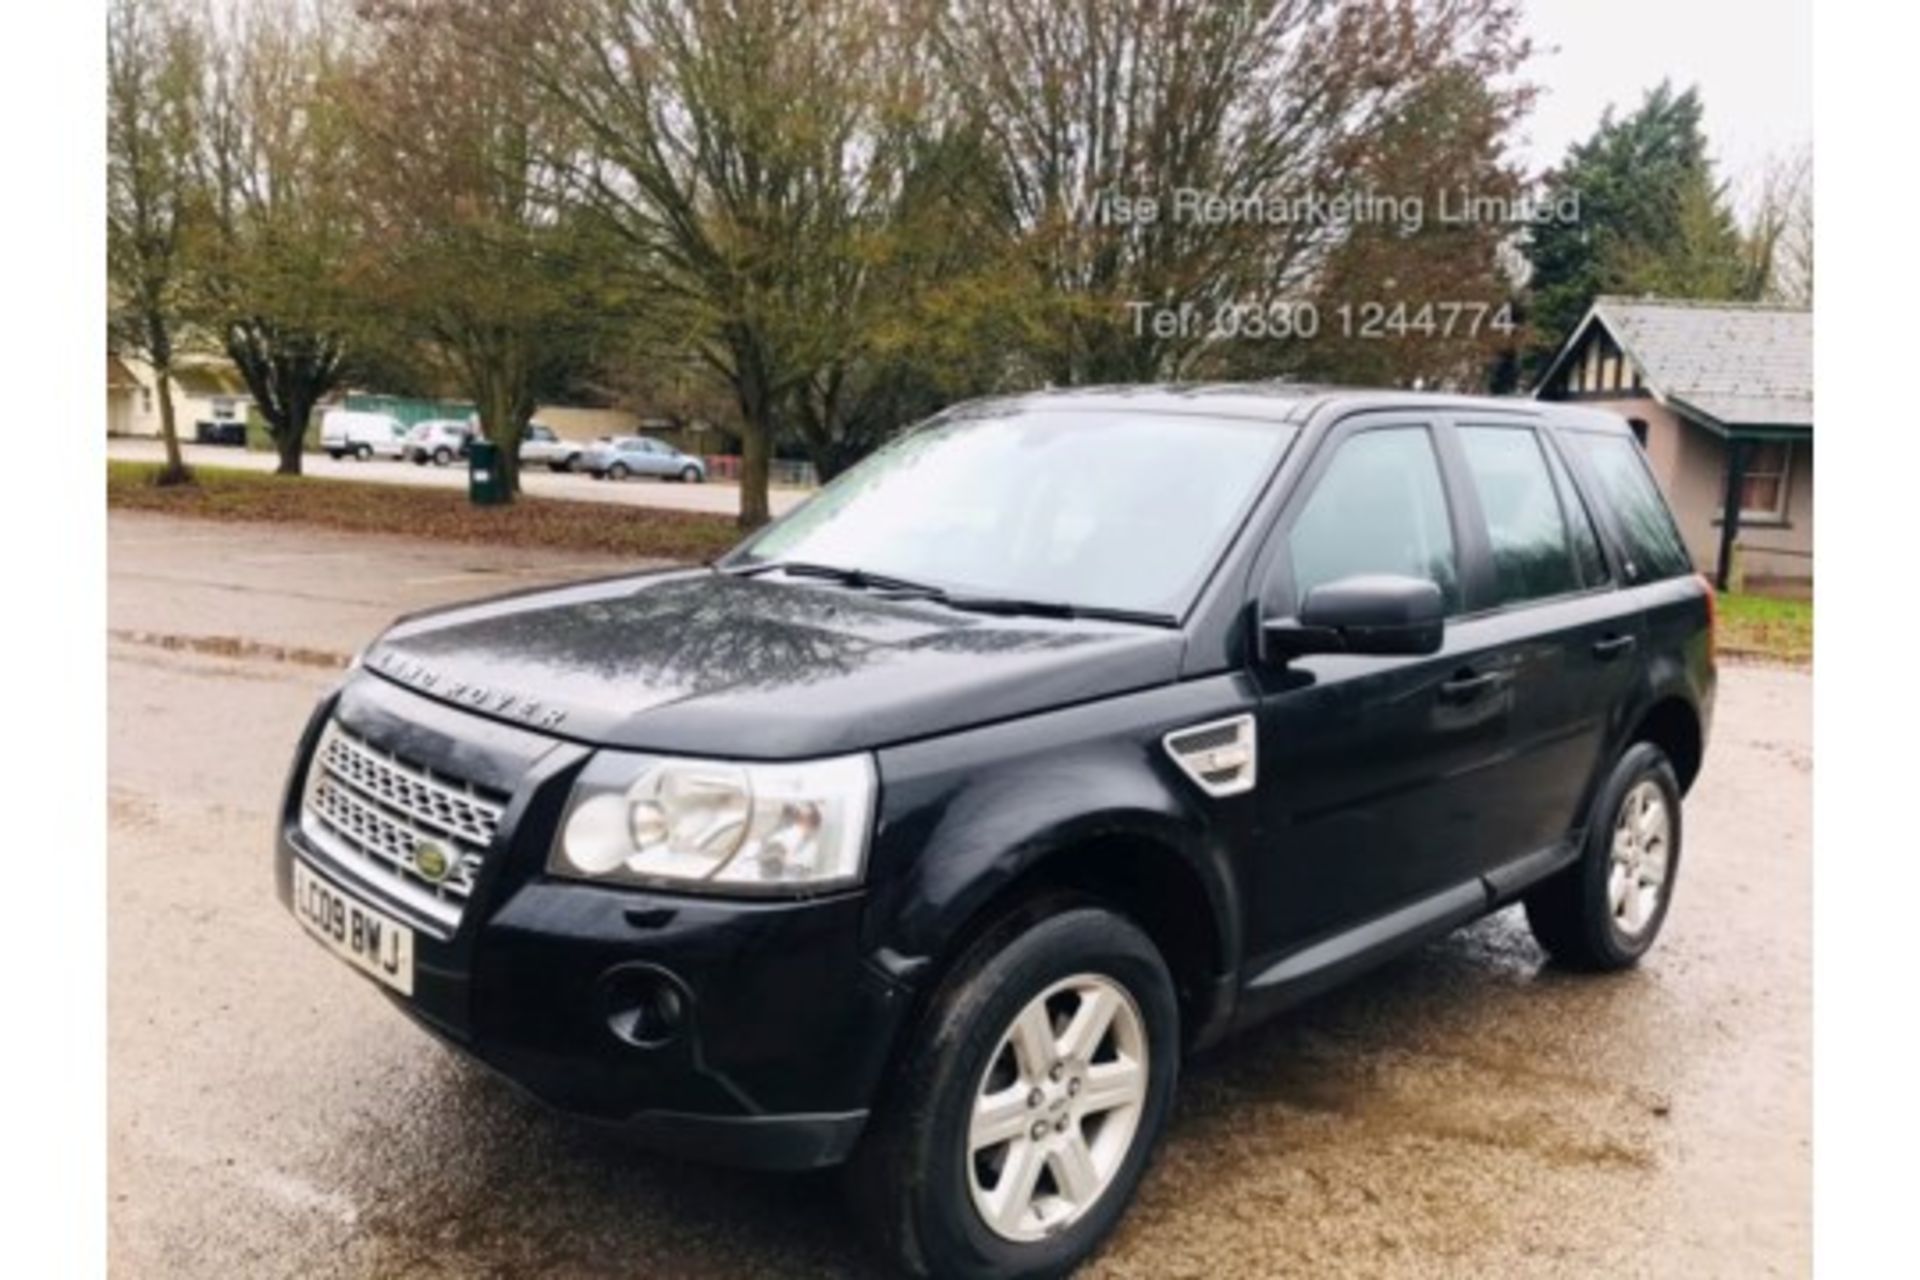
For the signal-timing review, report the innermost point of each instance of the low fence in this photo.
(782, 473)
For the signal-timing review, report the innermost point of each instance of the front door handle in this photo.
(1611, 647)
(1466, 686)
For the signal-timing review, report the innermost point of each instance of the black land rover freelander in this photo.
(929, 828)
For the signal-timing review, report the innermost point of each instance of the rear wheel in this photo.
(1029, 1104)
(442, 456)
(1605, 910)
(564, 464)
(363, 452)
(336, 454)
(618, 471)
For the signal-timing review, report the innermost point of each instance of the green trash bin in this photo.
(486, 483)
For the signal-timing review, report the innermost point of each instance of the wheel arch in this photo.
(1145, 875)
(1673, 724)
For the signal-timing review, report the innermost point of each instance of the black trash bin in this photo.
(486, 482)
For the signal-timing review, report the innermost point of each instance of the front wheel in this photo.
(364, 453)
(1031, 1100)
(1605, 910)
(442, 456)
(618, 471)
(690, 475)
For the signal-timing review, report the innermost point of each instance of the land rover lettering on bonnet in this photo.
(927, 831)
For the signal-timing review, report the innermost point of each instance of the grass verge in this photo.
(1768, 628)
(444, 515)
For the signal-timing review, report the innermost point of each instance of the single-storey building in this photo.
(1721, 396)
(205, 389)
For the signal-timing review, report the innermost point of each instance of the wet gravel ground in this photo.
(1467, 1111)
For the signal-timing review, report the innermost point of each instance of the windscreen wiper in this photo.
(1009, 606)
(860, 578)
(1015, 606)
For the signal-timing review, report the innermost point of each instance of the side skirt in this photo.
(1282, 981)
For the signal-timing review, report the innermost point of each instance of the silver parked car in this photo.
(540, 445)
(625, 456)
(439, 441)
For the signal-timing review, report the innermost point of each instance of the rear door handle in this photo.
(1467, 686)
(1612, 647)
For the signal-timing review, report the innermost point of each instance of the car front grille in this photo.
(420, 834)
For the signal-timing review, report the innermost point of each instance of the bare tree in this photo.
(1780, 236)
(738, 149)
(1104, 112)
(468, 245)
(275, 279)
(155, 194)
(940, 306)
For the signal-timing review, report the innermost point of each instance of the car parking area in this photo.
(1470, 1110)
(717, 496)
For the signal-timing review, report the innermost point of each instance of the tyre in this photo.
(363, 453)
(1605, 910)
(1027, 1104)
(690, 475)
(336, 454)
(618, 471)
(565, 464)
(442, 456)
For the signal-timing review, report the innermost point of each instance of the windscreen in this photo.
(1099, 509)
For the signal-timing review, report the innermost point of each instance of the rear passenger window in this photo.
(1586, 543)
(1653, 545)
(1378, 508)
(1525, 528)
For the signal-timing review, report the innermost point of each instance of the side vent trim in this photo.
(1219, 755)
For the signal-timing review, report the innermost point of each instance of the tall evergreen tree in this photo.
(1653, 219)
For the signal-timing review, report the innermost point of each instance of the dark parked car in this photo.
(224, 431)
(930, 828)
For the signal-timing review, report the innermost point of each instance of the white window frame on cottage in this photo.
(1783, 478)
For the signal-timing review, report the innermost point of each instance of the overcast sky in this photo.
(1750, 58)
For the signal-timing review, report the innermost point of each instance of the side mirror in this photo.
(1369, 613)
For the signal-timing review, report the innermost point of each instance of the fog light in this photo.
(643, 1006)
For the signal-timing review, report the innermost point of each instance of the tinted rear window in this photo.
(1653, 546)
(1525, 526)
(1586, 543)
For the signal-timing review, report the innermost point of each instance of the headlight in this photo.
(733, 826)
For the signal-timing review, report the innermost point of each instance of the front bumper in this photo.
(738, 1032)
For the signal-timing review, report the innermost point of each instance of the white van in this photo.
(364, 435)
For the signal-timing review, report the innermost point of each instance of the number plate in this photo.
(355, 932)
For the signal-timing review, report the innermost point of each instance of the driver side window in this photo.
(1379, 507)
